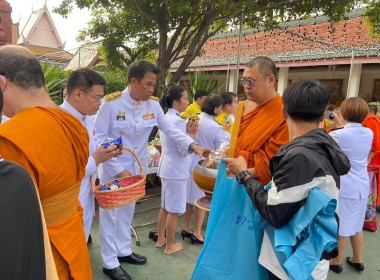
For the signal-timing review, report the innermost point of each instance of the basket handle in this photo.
(138, 160)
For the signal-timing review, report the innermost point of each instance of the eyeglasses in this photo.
(250, 82)
(98, 98)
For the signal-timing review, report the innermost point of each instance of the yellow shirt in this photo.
(220, 120)
(192, 109)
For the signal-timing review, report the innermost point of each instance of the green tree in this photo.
(373, 17)
(179, 29)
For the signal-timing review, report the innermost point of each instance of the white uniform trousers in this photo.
(115, 234)
(86, 198)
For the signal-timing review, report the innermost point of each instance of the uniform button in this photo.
(133, 103)
(121, 132)
(137, 135)
(136, 147)
(137, 121)
(137, 108)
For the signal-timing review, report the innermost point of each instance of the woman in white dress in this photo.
(210, 134)
(356, 141)
(173, 170)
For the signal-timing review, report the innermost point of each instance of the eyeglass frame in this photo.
(97, 98)
(250, 82)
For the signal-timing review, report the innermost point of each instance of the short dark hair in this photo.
(199, 94)
(83, 79)
(211, 102)
(228, 97)
(266, 65)
(373, 108)
(354, 109)
(23, 70)
(138, 69)
(175, 93)
(306, 101)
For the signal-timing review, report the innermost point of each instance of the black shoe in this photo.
(155, 237)
(133, 259)
(89, 240)
(117, 273)
(195, 240)
(152, 233)
(337, 268)
(184, 234)
(357, 266)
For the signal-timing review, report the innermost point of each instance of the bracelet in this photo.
(191, 146)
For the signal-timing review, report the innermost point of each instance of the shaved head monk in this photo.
(262, 129)
(52, 145)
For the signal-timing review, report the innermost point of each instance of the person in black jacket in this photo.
(311, 159)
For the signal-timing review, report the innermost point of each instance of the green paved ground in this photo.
(180, 266)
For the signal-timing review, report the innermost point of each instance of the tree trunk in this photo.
(162, 54)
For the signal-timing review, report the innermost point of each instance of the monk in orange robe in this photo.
(373, 123)
(53, 146)
(262, 128)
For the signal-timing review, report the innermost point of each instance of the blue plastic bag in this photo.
(234, 235)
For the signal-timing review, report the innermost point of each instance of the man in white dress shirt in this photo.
(131, 114)
(84, 97)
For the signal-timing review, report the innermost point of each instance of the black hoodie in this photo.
(311, 160)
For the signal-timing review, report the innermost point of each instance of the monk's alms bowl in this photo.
(205, 178)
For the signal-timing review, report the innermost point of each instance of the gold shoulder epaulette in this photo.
(154, 98)
(113, 96)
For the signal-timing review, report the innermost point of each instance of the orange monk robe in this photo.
(53, 146)
(373, 123)
(261, 133)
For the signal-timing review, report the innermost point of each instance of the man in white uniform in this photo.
(131, 114)
(84, 96)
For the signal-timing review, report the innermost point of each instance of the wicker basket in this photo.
(132, 189)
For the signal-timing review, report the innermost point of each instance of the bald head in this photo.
(21, 67)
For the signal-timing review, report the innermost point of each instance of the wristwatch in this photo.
(240, 177)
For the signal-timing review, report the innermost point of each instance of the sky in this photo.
(68, 28)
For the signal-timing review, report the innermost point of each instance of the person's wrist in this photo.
(191, 147)
(243, 175)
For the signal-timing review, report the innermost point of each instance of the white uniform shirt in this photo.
(355, 141)
(210, 134)
(86, 195)
(133, 121)
(175, 161)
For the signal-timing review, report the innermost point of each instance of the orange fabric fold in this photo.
(261, 133)
(53, 146)
(373, 123)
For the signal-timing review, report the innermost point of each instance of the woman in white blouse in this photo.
(173, 170)
(355, 140)
(210, 134)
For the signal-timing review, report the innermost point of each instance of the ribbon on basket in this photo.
(132, 189)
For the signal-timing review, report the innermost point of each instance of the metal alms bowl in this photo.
(205, 178)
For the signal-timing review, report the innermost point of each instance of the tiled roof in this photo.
(86, 56)
(50, 53)
(282, 45)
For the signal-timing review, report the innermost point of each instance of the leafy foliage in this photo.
(199, 80)
(373, 18)
(178, 29)
(55, 79)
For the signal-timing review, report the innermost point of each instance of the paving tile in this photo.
(180, 266)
